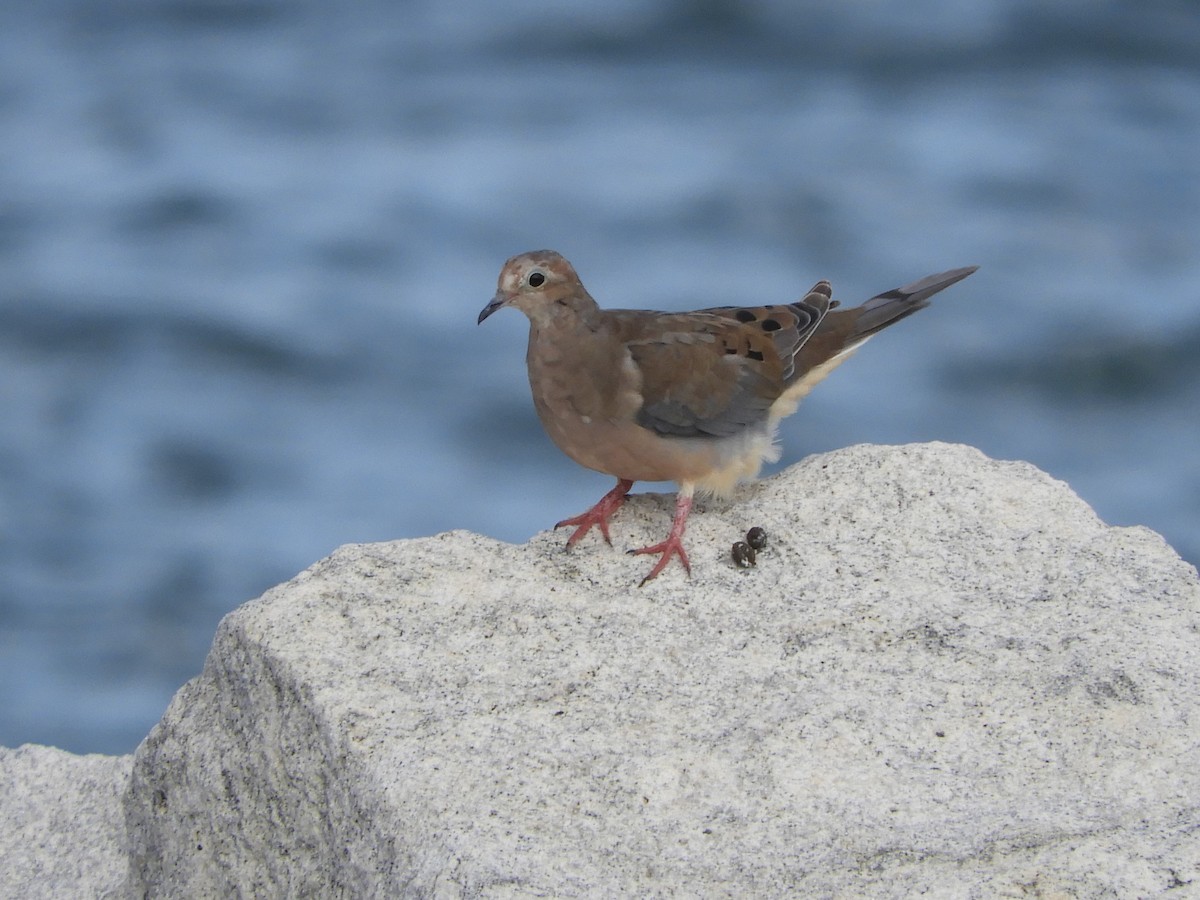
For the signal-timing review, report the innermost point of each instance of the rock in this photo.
(944, 676)
(61, 826)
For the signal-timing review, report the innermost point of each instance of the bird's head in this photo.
(535, 283)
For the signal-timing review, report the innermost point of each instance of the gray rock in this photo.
(61, 826)
(944, 676)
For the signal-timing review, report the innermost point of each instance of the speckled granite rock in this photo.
(944, 676)
(61, 829)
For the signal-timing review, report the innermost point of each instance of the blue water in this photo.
(243, 246)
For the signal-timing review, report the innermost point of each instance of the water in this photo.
(243, 246)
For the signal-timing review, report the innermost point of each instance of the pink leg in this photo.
(673, 545)
(599, 514)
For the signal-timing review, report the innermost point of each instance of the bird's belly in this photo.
(627, 450)
(589, 408)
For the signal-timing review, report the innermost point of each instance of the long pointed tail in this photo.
(842, 331)
(892, 306)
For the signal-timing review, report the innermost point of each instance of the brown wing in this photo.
(717, 371)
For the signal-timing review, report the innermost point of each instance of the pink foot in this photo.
(599, 514)
(673, 545)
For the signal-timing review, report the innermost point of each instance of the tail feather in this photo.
(842, 331)
(892, 306)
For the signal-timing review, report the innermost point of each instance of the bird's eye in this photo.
(536, 279)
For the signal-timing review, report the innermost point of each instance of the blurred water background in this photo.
(243, 244)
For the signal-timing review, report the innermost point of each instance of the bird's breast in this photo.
(588, 399)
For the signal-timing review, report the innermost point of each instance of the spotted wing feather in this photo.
(718, 371)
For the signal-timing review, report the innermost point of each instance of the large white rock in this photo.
(945, 677)
(61, 828)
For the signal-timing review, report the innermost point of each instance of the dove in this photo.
(690, 397)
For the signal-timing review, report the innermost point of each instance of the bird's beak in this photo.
(498, 301)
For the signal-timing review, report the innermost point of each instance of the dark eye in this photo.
(536, 279)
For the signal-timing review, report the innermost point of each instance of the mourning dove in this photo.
(691, 397)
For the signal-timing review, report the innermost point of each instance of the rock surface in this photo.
(945, 676)
(61, 826)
